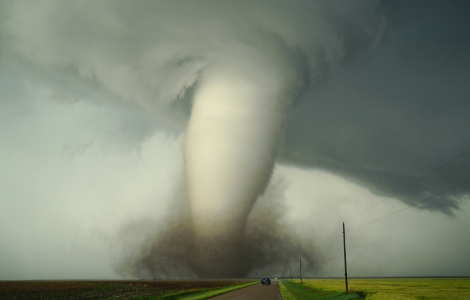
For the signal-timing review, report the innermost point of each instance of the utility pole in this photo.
(301, 271)
(345, 266)
(290, 272)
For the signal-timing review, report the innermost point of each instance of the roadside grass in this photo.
(398, 288)
(296, 291)
(201, 294)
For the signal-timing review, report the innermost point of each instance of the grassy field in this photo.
(390, 288)
(296, 291)
(120, 289)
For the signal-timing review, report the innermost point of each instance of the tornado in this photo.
(223, 74)
(232, 141)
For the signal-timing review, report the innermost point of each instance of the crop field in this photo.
(379, 289)
(119, 289)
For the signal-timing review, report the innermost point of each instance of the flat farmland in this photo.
(113, 289)
(383, 288)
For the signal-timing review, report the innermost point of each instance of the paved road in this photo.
(253, 292)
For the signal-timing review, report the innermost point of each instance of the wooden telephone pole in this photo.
(345, 266)
(301, 270)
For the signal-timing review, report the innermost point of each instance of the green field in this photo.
(378, 289)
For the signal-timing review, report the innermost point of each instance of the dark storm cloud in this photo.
(397, 108)
(390, 118)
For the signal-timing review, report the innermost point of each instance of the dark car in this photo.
(266, 281)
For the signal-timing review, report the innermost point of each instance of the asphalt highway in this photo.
(253, 292)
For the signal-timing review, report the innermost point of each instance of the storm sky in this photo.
(95, 99)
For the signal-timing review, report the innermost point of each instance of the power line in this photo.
(334, 231)
(416, 181)
(468, 150)
(331, 242)
(459, 185)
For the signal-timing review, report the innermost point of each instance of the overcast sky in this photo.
(95, 98)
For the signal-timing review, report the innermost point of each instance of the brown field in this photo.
(107, 289)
